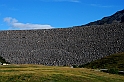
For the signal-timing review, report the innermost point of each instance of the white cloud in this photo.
(68, 0)
(22, 26)
(98, 5)
(10, 20)
(61, 0)
(75, 0)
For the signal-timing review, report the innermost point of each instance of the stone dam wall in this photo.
(67, 46)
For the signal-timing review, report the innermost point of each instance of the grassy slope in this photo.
(38, 73)
(113, 61)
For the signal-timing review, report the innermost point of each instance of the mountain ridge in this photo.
(117, 17)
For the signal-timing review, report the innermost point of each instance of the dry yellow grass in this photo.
(40, 73)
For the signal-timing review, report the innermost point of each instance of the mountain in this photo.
(118, 17)
(62, 46)
(65, 46)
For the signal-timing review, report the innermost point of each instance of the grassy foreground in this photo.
(39, 73)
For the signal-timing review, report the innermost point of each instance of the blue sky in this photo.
(47, 14)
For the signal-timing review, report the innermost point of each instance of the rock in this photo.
(115, 18)
(62, 47)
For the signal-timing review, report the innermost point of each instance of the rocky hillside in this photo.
(118, 17)
(66, 46)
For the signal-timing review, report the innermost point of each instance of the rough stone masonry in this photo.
(63, 46)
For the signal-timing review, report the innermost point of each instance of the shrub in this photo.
(75, 66)
(80, 66)
(113, 71)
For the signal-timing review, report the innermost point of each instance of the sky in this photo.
(49, 14)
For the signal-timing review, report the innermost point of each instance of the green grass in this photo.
(40, 73)
(114, 61)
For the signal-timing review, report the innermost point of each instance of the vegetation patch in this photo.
(2, 60)
(40, 73)
(113, 63)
